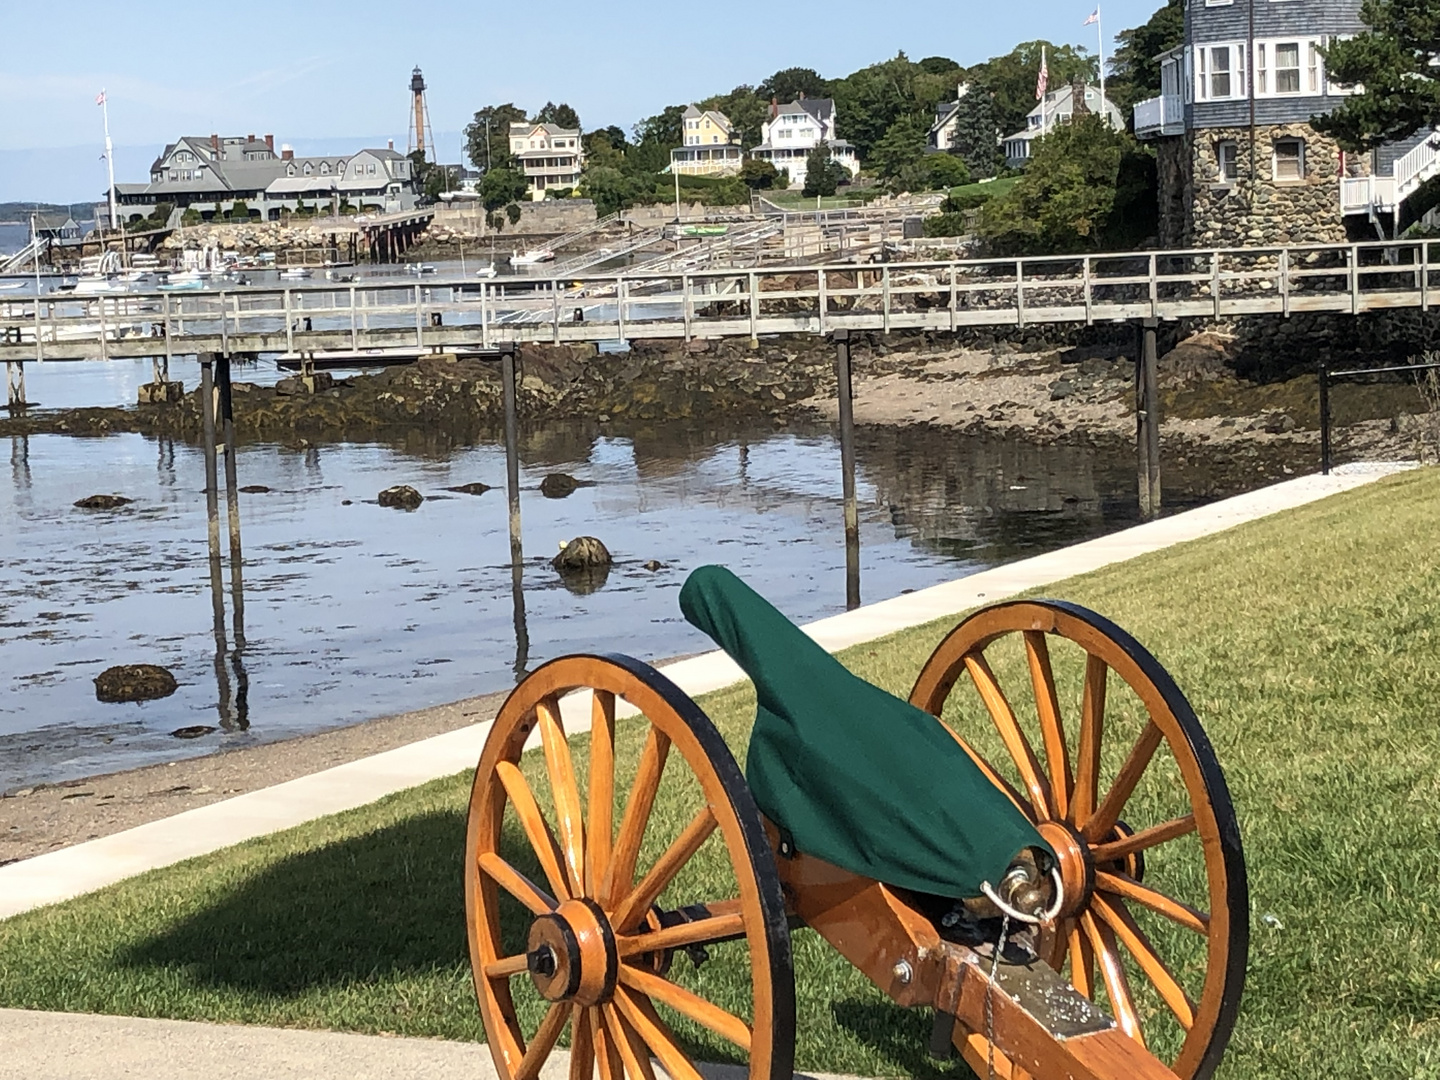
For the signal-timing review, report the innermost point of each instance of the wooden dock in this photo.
(427, 315)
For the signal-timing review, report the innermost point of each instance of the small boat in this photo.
(487, 271)
(420, 268)
(6, 286)
(533, 257)
(181, 283)
(96, 285)
(296, 273)
(704, 230)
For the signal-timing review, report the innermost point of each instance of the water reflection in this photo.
(353, 610)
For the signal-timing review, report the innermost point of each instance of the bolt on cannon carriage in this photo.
(1062, 884)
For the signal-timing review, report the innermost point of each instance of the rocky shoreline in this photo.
(1018, 388)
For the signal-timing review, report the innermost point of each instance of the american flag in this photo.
(1043, 83)
(100, 98)
(1094, 17)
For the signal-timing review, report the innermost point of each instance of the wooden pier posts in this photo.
(212, 499)
(512, 493)
(217, 421)
(15, 385)
(847, 469)
(1147, 423)
(226, 405)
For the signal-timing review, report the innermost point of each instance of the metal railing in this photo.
(1163, 115)
(722, 302)
(1328, 378)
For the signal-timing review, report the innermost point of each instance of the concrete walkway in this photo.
(79, 1046)
(73, 871)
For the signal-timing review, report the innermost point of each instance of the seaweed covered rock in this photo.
(134, 682)
(582, 553)
(103, 502)
(401, 497)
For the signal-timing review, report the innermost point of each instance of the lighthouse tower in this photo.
(421, 120)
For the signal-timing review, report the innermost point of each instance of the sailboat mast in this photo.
(109, 157)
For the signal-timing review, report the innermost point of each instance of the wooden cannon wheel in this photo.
(596, 939)
(1134, 803)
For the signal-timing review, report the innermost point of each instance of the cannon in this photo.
(1039, 847)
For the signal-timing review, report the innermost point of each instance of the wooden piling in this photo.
(212, 499)
(847, 469)
(1147, 422)
(232, 496)
(512, 492)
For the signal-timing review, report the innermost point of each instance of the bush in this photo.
(190, 217)
(759, 175)
(947, 224)
(960, 200)
(947, 171)
(513, 213)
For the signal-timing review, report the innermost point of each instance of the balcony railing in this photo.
(1364, 194)
(1163, 115)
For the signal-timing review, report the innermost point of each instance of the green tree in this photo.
(903, 145)
(791, 83)
(1084, 180)
(501, 186)
(823, 174)
(869, 101)
(493, 121)
(1135, 67)
(977, 133)
(946, 171)
(655, 137)
(603, 151)
(758, 174)
(513, 213)
(1011, 79)
(614, 189)
(1393, 62)
(561, 115)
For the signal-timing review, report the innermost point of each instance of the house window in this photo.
(1289, 159)
(1227, 159)
(1287, 67)
(1312, 69)
(1220, 72)
(308, 170)
(324, 168)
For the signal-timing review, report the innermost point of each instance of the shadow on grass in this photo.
(385, 904)
(897, 1035)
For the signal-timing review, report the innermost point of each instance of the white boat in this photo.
(420, 268)
(533, 257)
(487, 271)
(182, 282)
(6, 286)
(296, 273)
(96, 285)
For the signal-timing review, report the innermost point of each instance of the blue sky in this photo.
(320, 70)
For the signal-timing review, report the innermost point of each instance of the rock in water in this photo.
(582, 553)
(255, 489)
(401, 496)
(558, 485)
(471, 489)
(103, 502)
(195, 731)
(653, 565)
(134, 682)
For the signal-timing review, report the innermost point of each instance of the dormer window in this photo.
(289, 170)
(307, 168)
(324, 168)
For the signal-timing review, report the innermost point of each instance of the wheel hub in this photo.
(1077, 868)
(571, 955)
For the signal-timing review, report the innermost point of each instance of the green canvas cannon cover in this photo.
(853, 774)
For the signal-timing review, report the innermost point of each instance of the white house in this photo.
(1057, 108)
(550, 157)
(942, 131)
(794, 130)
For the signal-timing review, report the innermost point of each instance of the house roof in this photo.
(821, 109)
(294, 185)
(552, 130)
(54, 221)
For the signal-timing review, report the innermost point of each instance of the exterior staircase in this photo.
(1383, 198)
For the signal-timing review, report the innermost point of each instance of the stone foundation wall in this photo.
(1175, 190)
(1260, 209)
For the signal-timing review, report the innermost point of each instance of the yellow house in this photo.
(712, 146)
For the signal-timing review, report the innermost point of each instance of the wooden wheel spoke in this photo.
(1119, 920)
(633, 1051)
(1082, 961)
(607, 1055)
(582, 1045)
(699, 932)
(632, 909)
(537, 829)
(641, 1014)
(705, 1013)
(1052, 731)
(1009, 729)
(1092, 730)
(568, 814)
(506, 967)
(1144, 840)
(1175, 910)
(535, 899)
(620, 874)
(543, 1042)
(1112, 970)
(1103, 820)
(600, 831)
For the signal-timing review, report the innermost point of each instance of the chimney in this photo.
(250, 138)
(774, 107)
(215, 144)
(286, 154)
(270, 143)
(391, 143)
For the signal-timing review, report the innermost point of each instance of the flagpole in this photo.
(1045, 67)
(1100, 35)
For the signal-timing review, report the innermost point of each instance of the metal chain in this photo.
(989, 1007)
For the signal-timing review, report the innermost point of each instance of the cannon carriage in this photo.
(1038, 846)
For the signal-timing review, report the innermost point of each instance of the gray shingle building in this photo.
(1239, 162)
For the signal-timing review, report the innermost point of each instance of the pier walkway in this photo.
(316, 317)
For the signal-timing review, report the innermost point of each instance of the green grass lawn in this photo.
(795, 200)
(1307, 643)
(993, 188)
